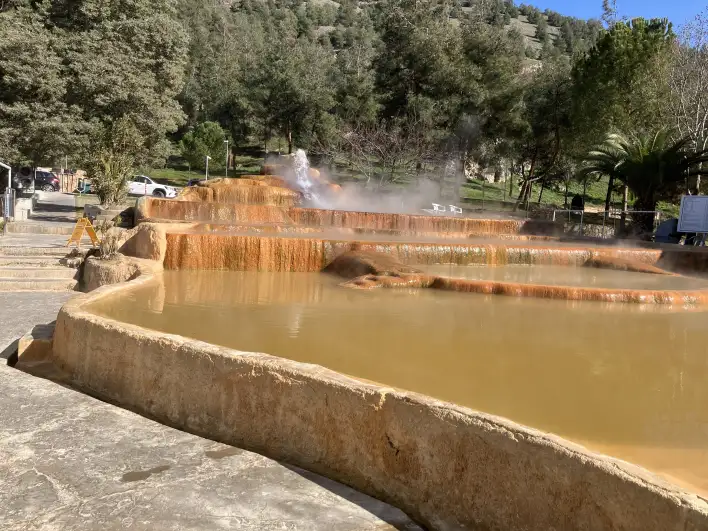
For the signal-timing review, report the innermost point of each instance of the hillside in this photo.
(559, 33)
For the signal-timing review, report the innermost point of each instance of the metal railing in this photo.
(577, 212)
(610, 219)
(621, 217)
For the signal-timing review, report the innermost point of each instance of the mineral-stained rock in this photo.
(356, 263)
(252, 191)
(623, 264)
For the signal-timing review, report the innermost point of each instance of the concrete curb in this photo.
(38, 228)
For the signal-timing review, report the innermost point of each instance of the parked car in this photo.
(27, 179)
(46, 181)
(144, 185)
(22, 179)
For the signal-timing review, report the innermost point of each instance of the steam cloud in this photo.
(357, 197)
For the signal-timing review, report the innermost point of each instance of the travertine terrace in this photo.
(447, 466)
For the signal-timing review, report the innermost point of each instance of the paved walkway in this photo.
(68, 461)
(34, 240)
(20, 312)
(71, 462)
(55, 207)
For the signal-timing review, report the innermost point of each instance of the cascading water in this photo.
(301, 167)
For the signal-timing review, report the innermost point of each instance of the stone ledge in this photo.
(447, 466)
(98, 272)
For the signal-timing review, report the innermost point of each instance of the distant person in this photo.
(578, 203)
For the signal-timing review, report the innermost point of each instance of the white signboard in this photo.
(694, 214)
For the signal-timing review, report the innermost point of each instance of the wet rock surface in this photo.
(357, 263)
(254, 191)
(623, 264)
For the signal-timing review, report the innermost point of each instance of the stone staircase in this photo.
(33, 227)
(36, 269)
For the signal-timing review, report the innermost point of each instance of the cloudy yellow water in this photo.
(627, 380)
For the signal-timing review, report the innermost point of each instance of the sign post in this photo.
(84, 224)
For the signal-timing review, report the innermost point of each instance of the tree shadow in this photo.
(51, 207)
(54, 218)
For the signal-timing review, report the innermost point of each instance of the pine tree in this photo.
(70, 69)
(36, 122)
(611, 82)
(356, 92)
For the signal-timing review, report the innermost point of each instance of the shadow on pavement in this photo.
(396, 518)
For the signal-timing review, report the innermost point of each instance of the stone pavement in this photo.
(68, 461)
(54, 241)
(71, 462)
(55, 207)
(21, 311)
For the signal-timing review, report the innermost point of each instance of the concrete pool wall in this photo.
(447, 466)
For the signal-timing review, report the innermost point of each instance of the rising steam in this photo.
(319, 192)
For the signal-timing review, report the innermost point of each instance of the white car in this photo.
(144, 185)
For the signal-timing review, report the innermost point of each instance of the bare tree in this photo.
(384, 152)
(609, 12)
(688, 82)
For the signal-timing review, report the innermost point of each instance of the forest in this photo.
(388, 90)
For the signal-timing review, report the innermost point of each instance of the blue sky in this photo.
(678, 11)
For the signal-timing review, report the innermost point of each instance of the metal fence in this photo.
(503, 195)
(611, 222)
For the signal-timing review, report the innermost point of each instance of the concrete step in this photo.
(37, 284)
(29, 261)
(29, 227)
(59, 252)
(34, 354)
(37, 272)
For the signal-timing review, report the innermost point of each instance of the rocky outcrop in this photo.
(356, 263)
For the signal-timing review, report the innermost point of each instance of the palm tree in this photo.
(654, 167)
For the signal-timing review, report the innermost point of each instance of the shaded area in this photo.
(353, 496)
(142, 475)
